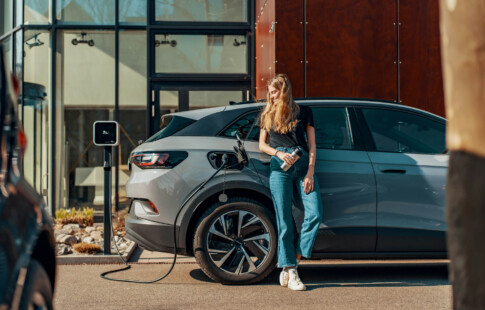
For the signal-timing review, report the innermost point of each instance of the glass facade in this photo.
(92, 12)
(36, 108)
(133, 12)
(6, 12)
(200, 54)
(201, 11)
(79, 62)
(37, 12)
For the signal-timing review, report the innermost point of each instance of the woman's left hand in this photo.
(308, 184)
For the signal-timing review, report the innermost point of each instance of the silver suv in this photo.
(381, 169)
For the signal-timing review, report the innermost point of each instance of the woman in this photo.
(284, 127)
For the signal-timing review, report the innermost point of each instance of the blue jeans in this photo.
(281, 184)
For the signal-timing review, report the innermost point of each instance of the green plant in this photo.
(83, 217)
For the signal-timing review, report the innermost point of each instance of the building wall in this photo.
(356, 48)
(264, 45)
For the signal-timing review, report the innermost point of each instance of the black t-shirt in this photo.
(298, 136)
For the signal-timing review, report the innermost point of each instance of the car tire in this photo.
(37, 291)
(235, 242)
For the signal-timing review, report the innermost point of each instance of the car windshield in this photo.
(171, 124)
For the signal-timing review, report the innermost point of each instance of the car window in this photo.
(242, 126)
(332, 128)
(169, 125)
(404, 132)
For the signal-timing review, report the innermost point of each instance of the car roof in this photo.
(357, 102)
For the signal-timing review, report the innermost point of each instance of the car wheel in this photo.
(235, 242)
(37, 291)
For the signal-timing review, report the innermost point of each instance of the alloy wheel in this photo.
(238, 242)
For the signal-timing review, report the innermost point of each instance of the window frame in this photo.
(367, 134)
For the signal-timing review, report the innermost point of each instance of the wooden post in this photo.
(463, 50)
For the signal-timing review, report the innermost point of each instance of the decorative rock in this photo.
(61, 232)
(74, 227)
(59, 237)
(89, 229)
(68, 239)
(88, 240)
(96, 234)
(63, 249)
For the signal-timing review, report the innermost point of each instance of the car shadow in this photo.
(360, 275)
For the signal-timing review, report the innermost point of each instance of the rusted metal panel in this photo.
(265, 46)
(421, 82)
(290, 43)
(351, 48)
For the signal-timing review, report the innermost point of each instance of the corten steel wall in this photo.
(265, 44)
(383, 49)
(290, 42)
(421, 81)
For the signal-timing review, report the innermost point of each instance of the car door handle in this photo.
(266, 163)
(401, 171)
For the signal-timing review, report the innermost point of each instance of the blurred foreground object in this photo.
(463, 51)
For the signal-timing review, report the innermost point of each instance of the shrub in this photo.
(82, 217)
(86, 248)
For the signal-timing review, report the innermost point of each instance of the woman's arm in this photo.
(312, 152)
(264, 147)
(312, 148)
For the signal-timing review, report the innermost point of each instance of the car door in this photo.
(347, 183)
(407, 152)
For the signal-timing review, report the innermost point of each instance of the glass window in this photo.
(132, 69)
(201, 10)
(37, 12)
(84, 94)
(332, 129)
(199, 99)
(200, 54)
(133, 12)
(36, 108)
(7, 47)
(6, 14)
(169, 101)
(18, 12)
(132, 98)
(403, 132)
(97, 12)
(19, 55)
(244, 126)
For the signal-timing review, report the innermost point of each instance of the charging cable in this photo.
(242, 158)
(225, 160)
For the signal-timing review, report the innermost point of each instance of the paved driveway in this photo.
(331, 285)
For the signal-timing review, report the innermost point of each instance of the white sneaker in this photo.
(294, 282)
(284, 276)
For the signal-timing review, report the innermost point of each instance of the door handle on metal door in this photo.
(401, 171)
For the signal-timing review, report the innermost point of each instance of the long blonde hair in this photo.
(281, 116)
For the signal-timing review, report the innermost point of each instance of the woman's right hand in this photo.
(285, 157)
